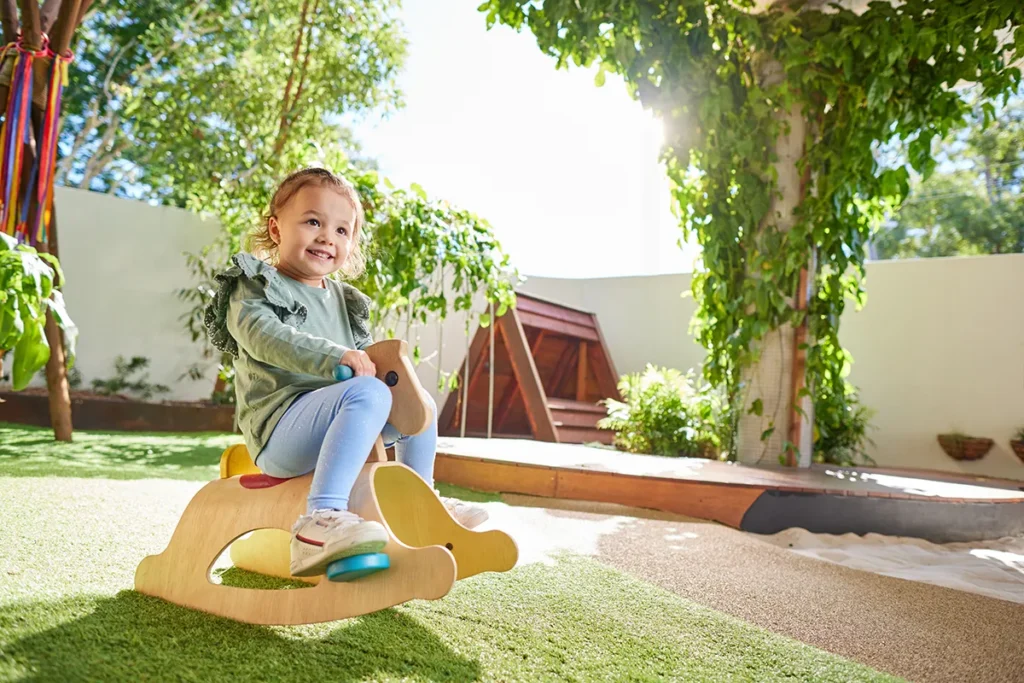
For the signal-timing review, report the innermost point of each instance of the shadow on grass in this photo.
(136, 637)
(32, 451)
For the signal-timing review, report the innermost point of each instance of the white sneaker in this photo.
(328, 535)
(466, 514)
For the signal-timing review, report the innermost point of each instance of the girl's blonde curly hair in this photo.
(260, 243)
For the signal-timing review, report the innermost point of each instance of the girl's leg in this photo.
(416, 452)
(330, 430)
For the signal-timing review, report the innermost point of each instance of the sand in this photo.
(992, 568)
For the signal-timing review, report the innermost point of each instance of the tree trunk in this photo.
(56, 368)
(778, 374)
(57, 383)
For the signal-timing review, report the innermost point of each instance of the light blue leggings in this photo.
(331, 430)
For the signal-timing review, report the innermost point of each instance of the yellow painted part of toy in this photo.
(417, 517)
(235, 460)
(266, 551)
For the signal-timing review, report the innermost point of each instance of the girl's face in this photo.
(313, 232)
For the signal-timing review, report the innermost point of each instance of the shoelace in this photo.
(332, 517)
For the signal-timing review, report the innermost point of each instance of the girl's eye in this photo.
(342, 231)
(314, 222)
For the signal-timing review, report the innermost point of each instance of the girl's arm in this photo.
(258, 330)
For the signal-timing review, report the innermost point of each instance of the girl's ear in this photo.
(274, 229)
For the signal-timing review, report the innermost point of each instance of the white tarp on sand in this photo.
(993, 568)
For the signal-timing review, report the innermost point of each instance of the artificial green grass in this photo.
(69, 547)
(575, 621)
(32, 452)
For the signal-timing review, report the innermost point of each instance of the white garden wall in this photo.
(123, 261)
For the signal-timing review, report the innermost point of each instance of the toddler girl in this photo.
(289, 325)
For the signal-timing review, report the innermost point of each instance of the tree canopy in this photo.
(177, 101)
(726, 79)
(973, 203)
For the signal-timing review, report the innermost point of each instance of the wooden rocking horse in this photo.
(426, 553)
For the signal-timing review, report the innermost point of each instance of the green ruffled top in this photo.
(286, 338)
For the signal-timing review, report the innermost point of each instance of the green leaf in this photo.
(599, 78)
(30, 354)
(55, 264)
(38, 273)
(418, 189)
(60, 315)
(756, 408)
(12, 327)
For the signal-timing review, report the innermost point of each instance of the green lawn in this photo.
(32, 452)
(77, 519)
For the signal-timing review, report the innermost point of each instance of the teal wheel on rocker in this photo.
(357, 566)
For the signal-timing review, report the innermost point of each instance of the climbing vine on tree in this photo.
(724, 78)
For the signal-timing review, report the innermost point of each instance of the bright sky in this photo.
(567, 173)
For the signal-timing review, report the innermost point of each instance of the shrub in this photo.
(123, 383)
(664, 413)
(840, 432)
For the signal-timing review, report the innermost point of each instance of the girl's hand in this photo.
(360, 363)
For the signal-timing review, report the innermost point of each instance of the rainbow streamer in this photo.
(48, 147)
(16, 135)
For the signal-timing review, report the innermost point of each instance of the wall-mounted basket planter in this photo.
(961, 447)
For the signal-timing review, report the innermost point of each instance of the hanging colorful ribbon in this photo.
(16, 135)
(48, 146)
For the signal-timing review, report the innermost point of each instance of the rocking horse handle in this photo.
(411, 410)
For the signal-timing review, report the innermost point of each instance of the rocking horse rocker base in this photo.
(426, 553)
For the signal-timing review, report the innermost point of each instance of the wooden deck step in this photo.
(585, 435)
(576, 421)
(562, 404)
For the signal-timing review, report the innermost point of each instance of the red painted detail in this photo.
(309, 540)
(259, 481)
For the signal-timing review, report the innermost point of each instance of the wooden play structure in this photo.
(428, 550)
(550, 368)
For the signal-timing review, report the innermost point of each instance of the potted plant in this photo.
(1017, 443)
(962, 447)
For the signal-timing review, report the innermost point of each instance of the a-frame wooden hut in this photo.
(551, 367)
